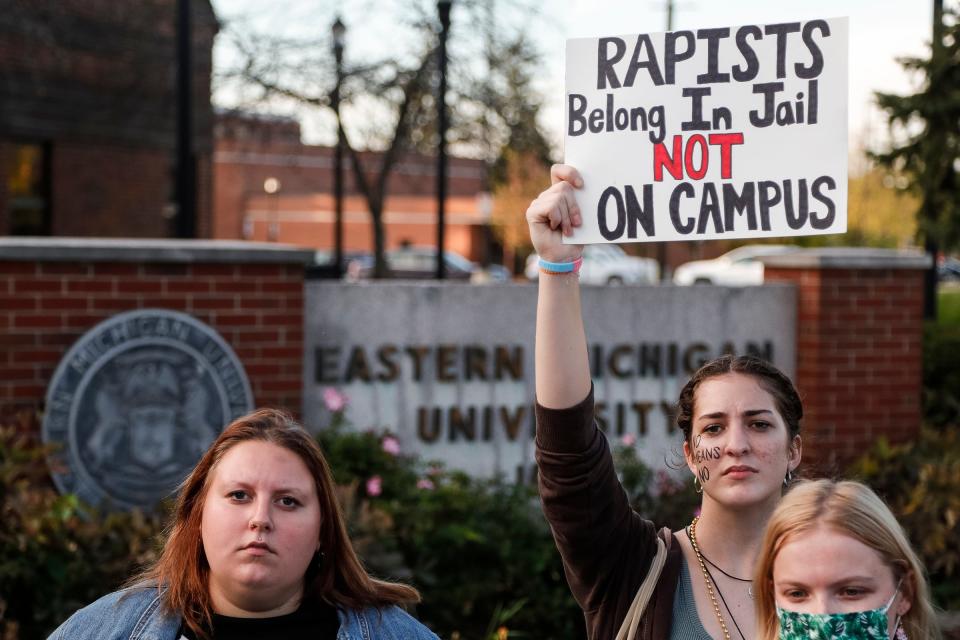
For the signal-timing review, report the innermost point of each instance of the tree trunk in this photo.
(380, 268)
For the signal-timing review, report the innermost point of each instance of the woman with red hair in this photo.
(257, 548)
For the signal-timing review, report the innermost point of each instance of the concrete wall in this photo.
(449, 368)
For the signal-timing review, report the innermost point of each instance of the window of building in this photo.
(28, 189)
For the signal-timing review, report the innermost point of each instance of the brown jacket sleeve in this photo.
(606, 547)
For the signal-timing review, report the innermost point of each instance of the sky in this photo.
(880, 32)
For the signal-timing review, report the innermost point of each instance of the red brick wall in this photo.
(46, 307)
(859, 357)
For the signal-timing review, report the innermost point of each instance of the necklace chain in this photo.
(733, 618)
(714, 565)
(692, 534)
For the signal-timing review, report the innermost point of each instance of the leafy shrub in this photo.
(941, 375)
(658, 495)
(57, 555)
(479, 551)
(919, 481)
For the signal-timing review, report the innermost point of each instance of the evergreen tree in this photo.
(925, 133)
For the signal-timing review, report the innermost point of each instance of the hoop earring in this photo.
(697, 486)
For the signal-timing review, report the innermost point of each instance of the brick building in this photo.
(250, 149)
(88, 116)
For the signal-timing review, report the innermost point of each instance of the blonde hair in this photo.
(852, 509)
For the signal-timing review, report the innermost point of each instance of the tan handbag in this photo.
(628, 630)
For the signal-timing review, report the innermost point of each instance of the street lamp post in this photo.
(662, 246)
(443, 8)
(339, 31)
(271, 186)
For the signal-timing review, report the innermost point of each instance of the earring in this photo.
(787, 479)
(318, 558)
(901, 634)
(696, 484)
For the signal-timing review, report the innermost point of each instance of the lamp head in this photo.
(271, 186)
(443, 8)
(339, 31)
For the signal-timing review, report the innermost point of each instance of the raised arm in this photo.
(606, 547)
(562, 367)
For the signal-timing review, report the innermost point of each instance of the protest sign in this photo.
(725, 133)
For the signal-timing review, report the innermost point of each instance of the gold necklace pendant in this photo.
(692, 533)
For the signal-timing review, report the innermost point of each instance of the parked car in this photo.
(735, 268)
(323, 263)
(607, 264)
(492, 273)
(414, 263)
(948, 269)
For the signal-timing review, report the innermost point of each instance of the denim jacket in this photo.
(138, 614)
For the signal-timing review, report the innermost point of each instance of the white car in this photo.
(607, 264)
(736, 268)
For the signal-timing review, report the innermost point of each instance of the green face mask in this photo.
(859, 625)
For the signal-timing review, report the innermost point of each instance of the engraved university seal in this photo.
(135, 403)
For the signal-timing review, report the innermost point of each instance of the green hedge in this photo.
(920, 481)
(480, 551)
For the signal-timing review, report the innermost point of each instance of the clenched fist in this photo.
(554, 214)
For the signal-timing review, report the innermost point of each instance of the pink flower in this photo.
(391, 445)
(374, 486)
(334, 400)
(425, 483)
(628, 440)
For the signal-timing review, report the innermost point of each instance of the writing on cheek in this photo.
(700, 456)
(704, 474)
(706, 453)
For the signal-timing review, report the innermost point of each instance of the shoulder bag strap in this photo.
(628, 630)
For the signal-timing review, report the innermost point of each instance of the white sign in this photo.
(736, 132)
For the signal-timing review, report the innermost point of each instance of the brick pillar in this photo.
(859, 351)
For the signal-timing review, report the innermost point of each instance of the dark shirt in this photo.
(316, 622)
(606, 546)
